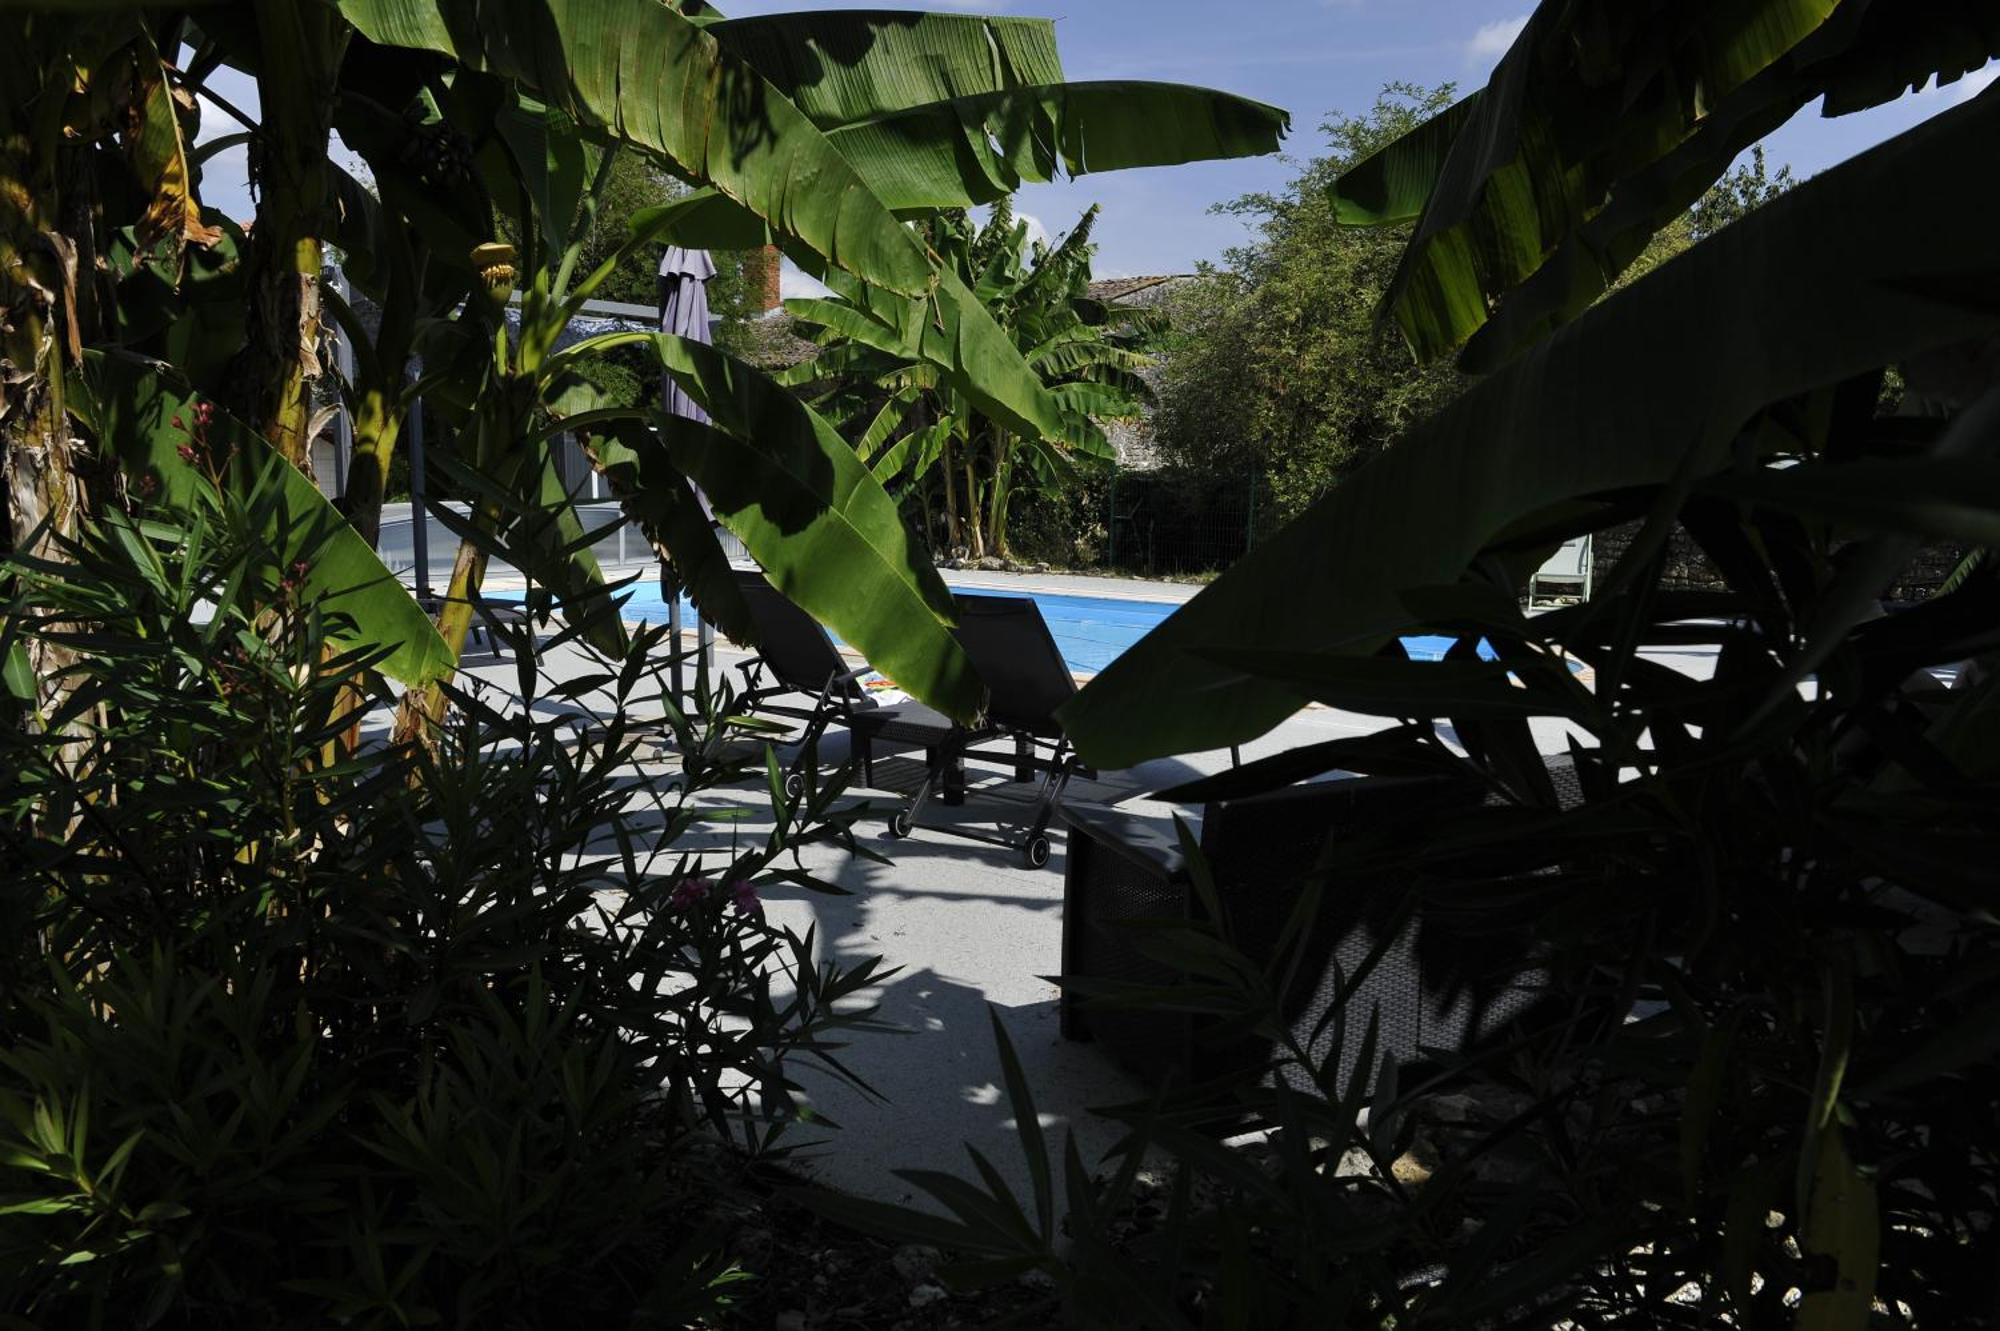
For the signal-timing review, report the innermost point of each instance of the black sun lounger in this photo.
(1026, 679)
(796, 656)
(1012, 653)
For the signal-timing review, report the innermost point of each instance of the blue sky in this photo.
(1311, 57)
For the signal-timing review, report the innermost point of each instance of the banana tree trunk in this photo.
(422, 710)
(301, 47)
(954, 529)
(1002, 491)
(502, 459)
(45, 308)
(378, 423)
(974, 527)
(380, 374)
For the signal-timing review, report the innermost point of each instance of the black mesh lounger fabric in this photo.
(906, 723)
(793, 646)
(1013, 652)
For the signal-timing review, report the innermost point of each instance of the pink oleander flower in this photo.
(187, 453)
(688, 893)
(744, 894)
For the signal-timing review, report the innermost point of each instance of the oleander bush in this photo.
(302, 1028)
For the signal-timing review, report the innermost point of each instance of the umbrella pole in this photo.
(670, 588)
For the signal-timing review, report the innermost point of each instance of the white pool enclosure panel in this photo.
(1566, 574)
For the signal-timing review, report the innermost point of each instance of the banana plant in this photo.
(916, 430)
(468, 111)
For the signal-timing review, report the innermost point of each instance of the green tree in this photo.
(1279, 364)
(1749, 185)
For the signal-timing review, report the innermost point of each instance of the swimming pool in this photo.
(1090, 631)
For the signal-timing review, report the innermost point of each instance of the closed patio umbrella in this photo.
(683, 288)
(683, 300)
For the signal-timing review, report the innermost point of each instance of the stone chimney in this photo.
(768, 295)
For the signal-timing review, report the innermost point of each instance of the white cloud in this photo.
(1038, 232)
(1493, 39)
(240, 91)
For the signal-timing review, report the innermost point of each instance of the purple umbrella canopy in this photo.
(683, 287)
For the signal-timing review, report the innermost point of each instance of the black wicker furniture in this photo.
(1426, 990)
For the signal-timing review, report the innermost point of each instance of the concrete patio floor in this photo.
(969, 928)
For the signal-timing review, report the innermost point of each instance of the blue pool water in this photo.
(1090, 631)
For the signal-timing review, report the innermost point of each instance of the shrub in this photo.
(304, 1028)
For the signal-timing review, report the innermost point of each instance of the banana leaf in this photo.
(977, 150)
(131, 405)
(846, 65)
(1886, 256)
(552, 161)
(911, 98)
(953, 331)
(158, 152)
(658, 497)
(1605, 122)
(549, 544)
(1394, 183)
(704, 220)
(826, 533)
(641, 71)
(916, 451)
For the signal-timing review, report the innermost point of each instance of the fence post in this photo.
(420, 517)
(1111, 521)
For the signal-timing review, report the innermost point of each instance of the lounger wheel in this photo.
(900, 824)
(1036, 852)
(795, 785)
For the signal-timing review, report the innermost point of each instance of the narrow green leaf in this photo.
(1027, 1122)
(131, 405)
(18, 673)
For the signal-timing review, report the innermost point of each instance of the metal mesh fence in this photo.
(1148, 523)
(1688, 568)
